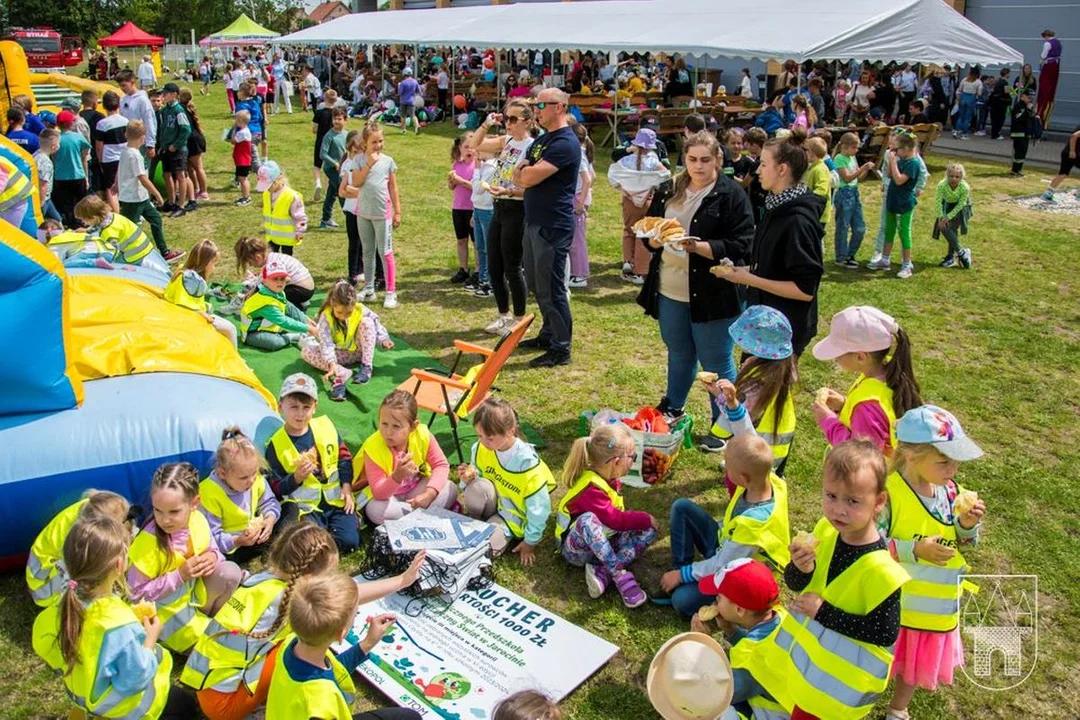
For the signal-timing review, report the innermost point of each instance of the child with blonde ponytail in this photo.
(593, 526)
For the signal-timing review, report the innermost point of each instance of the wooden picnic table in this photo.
(612, 116)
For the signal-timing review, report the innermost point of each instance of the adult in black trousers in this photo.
(999, 103)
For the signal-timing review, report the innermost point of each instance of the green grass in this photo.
(999, 345)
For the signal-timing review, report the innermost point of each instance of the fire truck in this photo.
(46, 49)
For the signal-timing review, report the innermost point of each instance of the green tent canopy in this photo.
(242, 31)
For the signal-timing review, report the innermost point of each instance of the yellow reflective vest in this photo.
(345, 338)
(100, 617)
(772, 535)
(18, 188)
(262, 297)
(778, 435)
(748, 654)
(311, 492)
(182, 621)
(226, 655)
(931, 601)
(376, 448)
(278, 224)
(214, 499)
(321, 698)
(131, 242)
(177, 291)
(512, 488)
(821, 671)
(45, 572)
(868, 389)
(563, 518)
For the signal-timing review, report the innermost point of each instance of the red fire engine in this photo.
(45, 48)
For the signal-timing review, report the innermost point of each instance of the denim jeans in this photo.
(333, 180)
(481, 220)
(692, 530)
(965, 115)
(849, 216)
(690, 342)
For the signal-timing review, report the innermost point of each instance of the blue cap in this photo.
(763, 332)
(48, 117)
(929, 424)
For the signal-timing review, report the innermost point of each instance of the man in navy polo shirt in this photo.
(549, 177)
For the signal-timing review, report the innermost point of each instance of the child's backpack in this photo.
(1036, 127)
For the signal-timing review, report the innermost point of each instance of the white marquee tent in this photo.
(927, 31)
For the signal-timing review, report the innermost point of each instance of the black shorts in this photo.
(462, 228)
(108, 174)
(174, 162)
(1067, 163)
(243, 170)
(196, 144)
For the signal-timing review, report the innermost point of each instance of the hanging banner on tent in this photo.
(457, 663)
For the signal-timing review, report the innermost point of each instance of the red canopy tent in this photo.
(131, 35)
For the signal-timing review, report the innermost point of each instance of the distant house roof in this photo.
(328, 11)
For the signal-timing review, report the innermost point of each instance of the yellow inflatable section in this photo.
(14, 75)
(119, 327)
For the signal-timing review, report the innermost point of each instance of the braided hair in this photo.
(302, 549)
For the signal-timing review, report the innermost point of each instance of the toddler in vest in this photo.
(252, 254)
(268, 321)
(189, 285)
(284, 218)
(346, 336)
(865, 341)
(755, 525)
(926, 520)
(309, 680)
(46, 575)
(174, 561)
(506, 483)
(236, 499)
(745, 610)
(761, 401)
(403, 464)
(310, 467)
(108, 657)
(593, 526)
(131, 244)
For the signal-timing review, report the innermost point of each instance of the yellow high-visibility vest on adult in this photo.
(131, 242)
(312, 491)
(45, 572)
(563, 519)
(345, 338)
(868, 389)
(100, 617)
(182, 621)
(278, 224)
(748, 654)
(322, 698)
(931, 601)
(820, 670)
(226, 654)
(512, 488)
(18, 187)
(779, 435)
(772, 535)
(375, 447)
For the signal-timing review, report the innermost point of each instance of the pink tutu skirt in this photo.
(924, 659)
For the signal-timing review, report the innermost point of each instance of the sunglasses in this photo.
(511, 119)
(542, 104)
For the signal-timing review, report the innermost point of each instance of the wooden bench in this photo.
(586, 104)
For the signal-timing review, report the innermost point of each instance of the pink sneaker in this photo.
(202, 196)
(597, 578)
(631, 593)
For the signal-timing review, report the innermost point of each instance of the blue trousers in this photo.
(481, 220)
(689, 343)
(547, 251)
(849, 218)
(693, 530)
(966, 114)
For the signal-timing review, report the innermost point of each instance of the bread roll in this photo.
(708, 377)
(709, 612)
(144, 610)
(965, 501)
(805, 539)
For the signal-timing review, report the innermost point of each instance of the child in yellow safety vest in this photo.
(16, 189)
(592, 525)
(403, 465)
(76, 248)
(926, 520)
(311, 469)
(131, 243)
(309, 680)
(284, 218)
(45, 573)
(868, 342)
(236, 499)
(831, 655)
(174, 561)
(755, 525)
(506, 483)
(268, 320)
(189, 285)
(111, 664)
(347, 335)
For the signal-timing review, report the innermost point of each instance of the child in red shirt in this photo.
(241, 140)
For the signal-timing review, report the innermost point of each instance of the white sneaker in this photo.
(500, 325)
(882, 264)
(366, 295)
(390, 301)
(906, 271)
(876, 257)
(627, 268)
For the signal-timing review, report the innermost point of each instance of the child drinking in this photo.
(189, 285)
(346, 335)
(404, 466)
(925, 521)
(904, 171)
(459, 182)
(132, 245)
(506, 483)
(268, 320)
(376, 177)
(953, 202)
(483, 211)
(592, 527)
(253, 252)
(579, 250)
(284, 218)
(635, 176)
(236, 499)
(46, 575)
(755, 525)
(241, 140)
(849, 212)
(174, 561)
(109, 659)
(861, 340)
(310, 467)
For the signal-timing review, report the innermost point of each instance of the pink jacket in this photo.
(383, 486)
(593, 499)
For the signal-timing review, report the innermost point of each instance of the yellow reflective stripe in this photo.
(822, 680)
(39, 571)
(844, 647)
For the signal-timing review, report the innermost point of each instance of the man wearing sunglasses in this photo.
(549, 177)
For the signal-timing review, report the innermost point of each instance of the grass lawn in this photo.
(999, 345)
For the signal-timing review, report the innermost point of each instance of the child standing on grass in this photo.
(483, 210)
(69, 168)
(635, 176)
(459, 182)
(268, 320)
(817, 176)
(189, 285)
(579, 250)
(376, 177)
(849, 212)
(241, 155)
(592, 527)
(953, 202)
(900, 201)
(332, 152)
(134, 190)
(196, 148)
(354, 150)
(284, 218)
(110, 137)
(925, 521)
(886, 182)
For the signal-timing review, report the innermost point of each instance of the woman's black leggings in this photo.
(505, 235)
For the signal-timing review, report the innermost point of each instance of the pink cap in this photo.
(274, 268)
(859, 328)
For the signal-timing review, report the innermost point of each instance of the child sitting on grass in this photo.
(253, 252)
(189, 284)
(268, 321)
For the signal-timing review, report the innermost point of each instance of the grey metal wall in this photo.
(1019, 23)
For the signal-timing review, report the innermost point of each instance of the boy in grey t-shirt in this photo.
(134, 190)
(48, 143)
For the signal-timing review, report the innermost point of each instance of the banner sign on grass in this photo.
(457, 663)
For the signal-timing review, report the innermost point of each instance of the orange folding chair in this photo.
(432, 387)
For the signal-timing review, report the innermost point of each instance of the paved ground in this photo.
(1045, 153)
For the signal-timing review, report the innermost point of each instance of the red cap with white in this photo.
(746, 583)
(274, 268)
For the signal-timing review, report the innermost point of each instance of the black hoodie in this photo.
(787, 246)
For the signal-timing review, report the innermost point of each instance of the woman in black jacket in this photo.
(695, 308)
(785, 261)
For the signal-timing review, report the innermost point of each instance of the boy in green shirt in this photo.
(331, 153)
